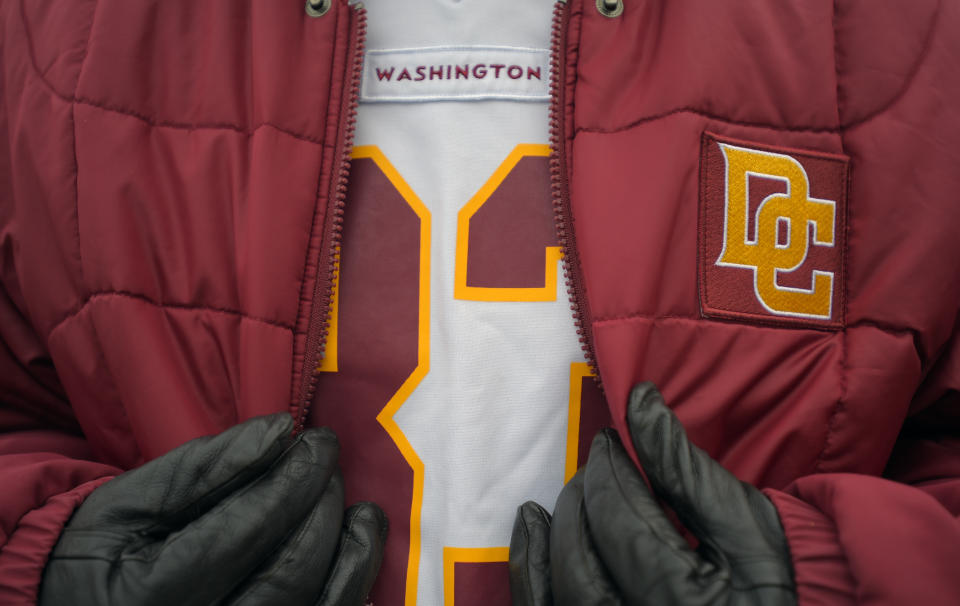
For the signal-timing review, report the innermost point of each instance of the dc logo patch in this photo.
(772, 233)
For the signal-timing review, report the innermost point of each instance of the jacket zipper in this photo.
(560, 187)
(319, 325)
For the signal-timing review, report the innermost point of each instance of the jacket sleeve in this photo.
(45, 464)
(858, 539)
(896, 540)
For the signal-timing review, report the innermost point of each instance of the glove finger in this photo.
(296, 572)
(723, 512)
(215, 553)
(530, 557)
(358, 560)
(184, 483)
(578, 576)
(644, 553)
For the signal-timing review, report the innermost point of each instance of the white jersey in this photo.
(449, 200)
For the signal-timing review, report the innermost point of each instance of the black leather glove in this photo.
(250, 516)
(610, 542)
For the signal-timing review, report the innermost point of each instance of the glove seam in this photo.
(132, 556)
(686, 557)
(348, 535)
(291, 537)
(167, 524)
(527, 580)
(586, 545)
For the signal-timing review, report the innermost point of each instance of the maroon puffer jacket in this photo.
(760, 203)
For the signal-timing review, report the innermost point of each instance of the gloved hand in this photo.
(610, 542)
(249, 516)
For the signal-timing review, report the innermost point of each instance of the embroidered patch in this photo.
(456, 73)
(772, 233)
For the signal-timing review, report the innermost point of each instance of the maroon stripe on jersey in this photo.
(509, 232)
(594, 416)
(376, 352)
(481, 583)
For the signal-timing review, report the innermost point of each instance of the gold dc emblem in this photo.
(805, 221)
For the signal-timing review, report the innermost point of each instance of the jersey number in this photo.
(378, 347)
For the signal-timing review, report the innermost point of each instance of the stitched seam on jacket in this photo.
(151, 120)
(693, 110)
(836, 62)
(572, 100)
(73, 130)
(167, 305)
(911, 76)
(635, 317)
(908, 84)
(833, 422)
(36, 70)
